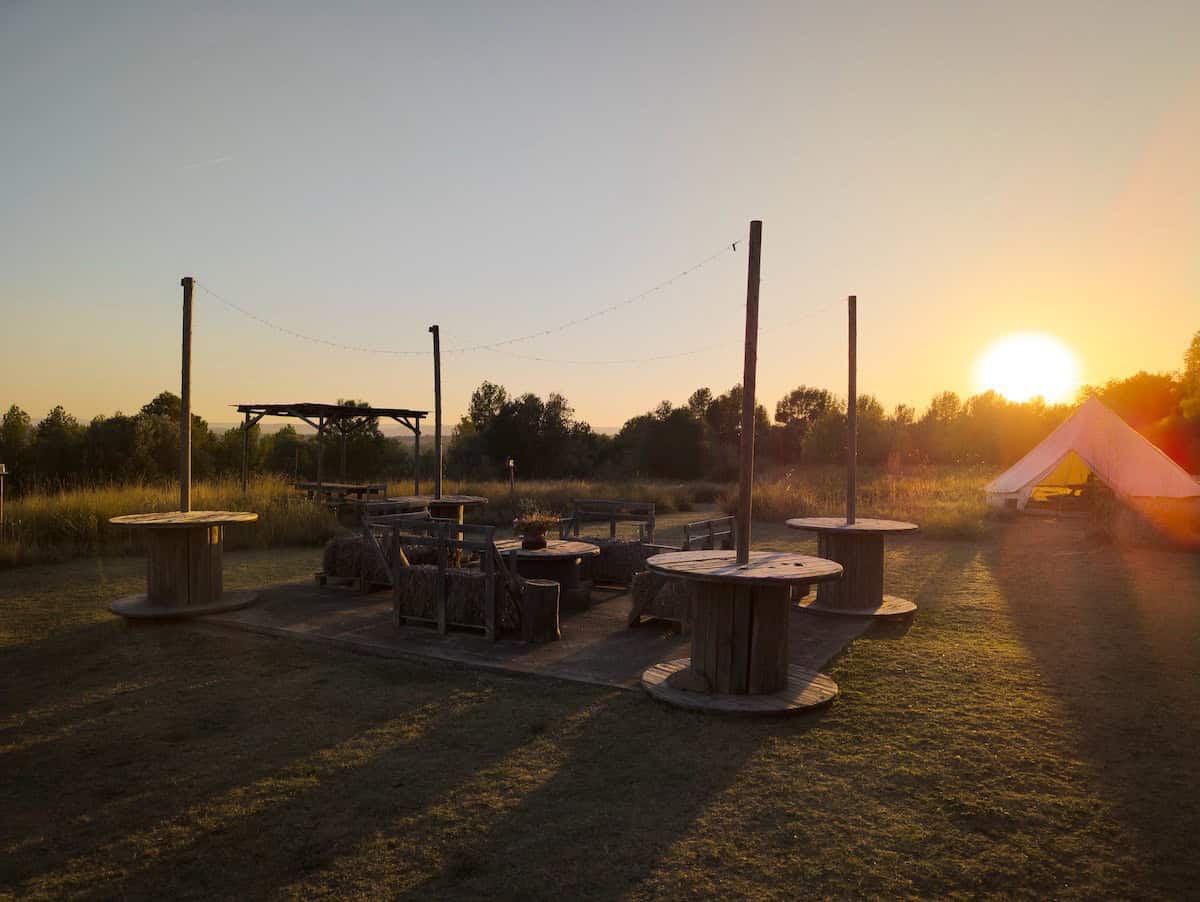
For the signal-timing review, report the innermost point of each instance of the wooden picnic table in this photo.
(740, 658)
(858, 547)
(447, 507)
(559, 561)
(184, 575)
(341, 490)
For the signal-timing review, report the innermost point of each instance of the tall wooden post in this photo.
(245, 452)
(3, 473)
(437, 411)
(417, 459)
(185, 402)
(320, 453)
(749, 377)
(852, 414)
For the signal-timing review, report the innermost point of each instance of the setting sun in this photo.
(1028, 364)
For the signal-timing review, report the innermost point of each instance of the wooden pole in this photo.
(3, 473)
(749, 377)
(185, 402)
(417, 459)
(852, 413)
(245, 452)
(437, 411)
(320, 453)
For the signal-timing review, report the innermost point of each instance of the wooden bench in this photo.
(338, 492)
(718, 533)
(588, 511)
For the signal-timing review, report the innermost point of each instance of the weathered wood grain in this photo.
(762, 568)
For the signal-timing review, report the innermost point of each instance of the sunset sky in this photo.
(968, 171)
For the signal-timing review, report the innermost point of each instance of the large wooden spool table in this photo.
(559, 561)
(740, 661)
(447, 507)
(184, 575)
(858, 547)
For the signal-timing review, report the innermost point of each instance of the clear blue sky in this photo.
(968, 170)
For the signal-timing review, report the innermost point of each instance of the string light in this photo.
(489, 346)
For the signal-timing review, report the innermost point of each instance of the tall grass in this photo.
(944, 501)
(554, 496)
(53, 526)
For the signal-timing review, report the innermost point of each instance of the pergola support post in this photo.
(417, 459)
(320, 452)
(245, 452)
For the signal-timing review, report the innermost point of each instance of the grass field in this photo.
(947, 501)
(1033, 735)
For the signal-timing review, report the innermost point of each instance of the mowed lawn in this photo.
(1035, 733)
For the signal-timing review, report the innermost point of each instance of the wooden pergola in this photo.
(344, 419)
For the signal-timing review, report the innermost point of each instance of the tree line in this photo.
(59, 452)
(696, 439)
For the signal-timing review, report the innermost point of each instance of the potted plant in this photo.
(532, 528)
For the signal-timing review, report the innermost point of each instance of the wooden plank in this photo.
(723, 610)
(489, 594)
(200, 587)
(441, 587)
(167, 567)
(768, 640)
(763, 567)
(739, 664)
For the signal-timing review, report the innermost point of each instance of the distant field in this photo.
(946, 501)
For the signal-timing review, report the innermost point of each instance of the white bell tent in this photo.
(1093, 440)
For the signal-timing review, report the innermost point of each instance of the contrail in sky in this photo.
(214, 162)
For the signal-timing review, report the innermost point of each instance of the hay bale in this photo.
(343, 557)
(416, 596)
(416, 592)
(619, 559)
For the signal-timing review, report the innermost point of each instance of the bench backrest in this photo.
(584, 511)
(720, 532)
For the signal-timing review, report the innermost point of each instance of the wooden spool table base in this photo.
(740, 661)
(558, 562)
(805, 690)
(858, 547)
(184, 576)
(139, 607)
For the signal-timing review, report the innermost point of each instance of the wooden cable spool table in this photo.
(740, 659)
(184, 575)
(560, 562)
(858, 547)
(447, 507)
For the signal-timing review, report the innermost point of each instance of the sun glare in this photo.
(1028, 364)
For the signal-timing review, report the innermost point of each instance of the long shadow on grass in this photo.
(269, 832)
(1114, 635)
(112, 730)
(603, 807)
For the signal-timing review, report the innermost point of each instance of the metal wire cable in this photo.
(725, 249)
